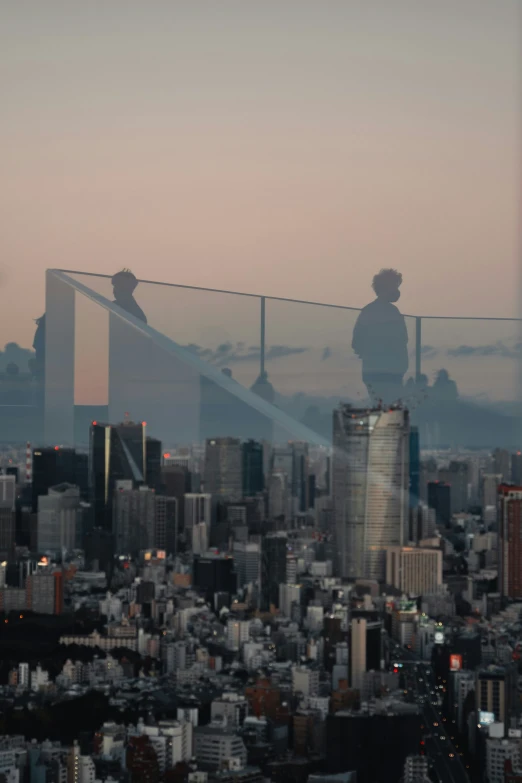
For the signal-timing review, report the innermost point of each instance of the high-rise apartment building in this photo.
(8, 491)
(7, 515)
(44, 592)
(489, 496)
(223, 469)
(456, 475)
(252, 468)
(273, 568)
(414, 570)
(200, 538)
(247, 556)
(166, 524)
(59, 520)
(120, 453)
(279, 496)
(502, 464)
(134, 513)
(510, 541)
(494, 691)
(516, 468)
(370, 487)
(198, 508)
(415, 468)
(357, 651)
(439, 499)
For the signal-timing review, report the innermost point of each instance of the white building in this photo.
(39, 678)
(230, 707)
(238, 632)
(24, 676)
(414, 570)
(200, 538)
(498, 751)
(214, 744)
(172, 741)
(305, 680)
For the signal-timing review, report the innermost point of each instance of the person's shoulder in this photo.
(369, 308)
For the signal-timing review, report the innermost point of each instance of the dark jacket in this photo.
(380, 339)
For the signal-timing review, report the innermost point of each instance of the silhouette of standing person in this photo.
(380, 339)
(124, 284)
(38, 363)
(444, 389)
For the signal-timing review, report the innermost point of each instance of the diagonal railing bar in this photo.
(295, 428)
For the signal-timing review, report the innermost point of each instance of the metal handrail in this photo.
(294, 301)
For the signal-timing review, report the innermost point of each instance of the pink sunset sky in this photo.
(285, 147)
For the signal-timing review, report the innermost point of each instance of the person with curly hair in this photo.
(380, 340)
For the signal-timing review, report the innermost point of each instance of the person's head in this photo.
(227, 371)
(442, 376)
(386, 285)
(124, 283)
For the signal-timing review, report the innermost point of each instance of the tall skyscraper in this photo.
(253, 471)
(510, 541)
(370, 487)
(223, 463)
(456, 475)
(299, 485)
(120, 452)
(7, 515)
(273, 568)
(200, 538)
(502, 464)
(176, 481)
(134, 514)
(247, 556)
(166, 524)
(516, 468)
(490, 484)
(358, 651)
(414, 467)
(439, 499)
(8, 491)
(198, 508)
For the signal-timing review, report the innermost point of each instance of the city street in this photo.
(446, 762)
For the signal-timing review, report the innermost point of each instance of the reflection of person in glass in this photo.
(124, 284)
(380, 339)
(444, 389)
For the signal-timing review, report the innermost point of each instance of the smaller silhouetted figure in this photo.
(124, 284)
(37, 364)
(263, 388)
(444, 389)
(380, 339)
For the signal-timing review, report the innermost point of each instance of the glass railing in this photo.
(297, 356)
